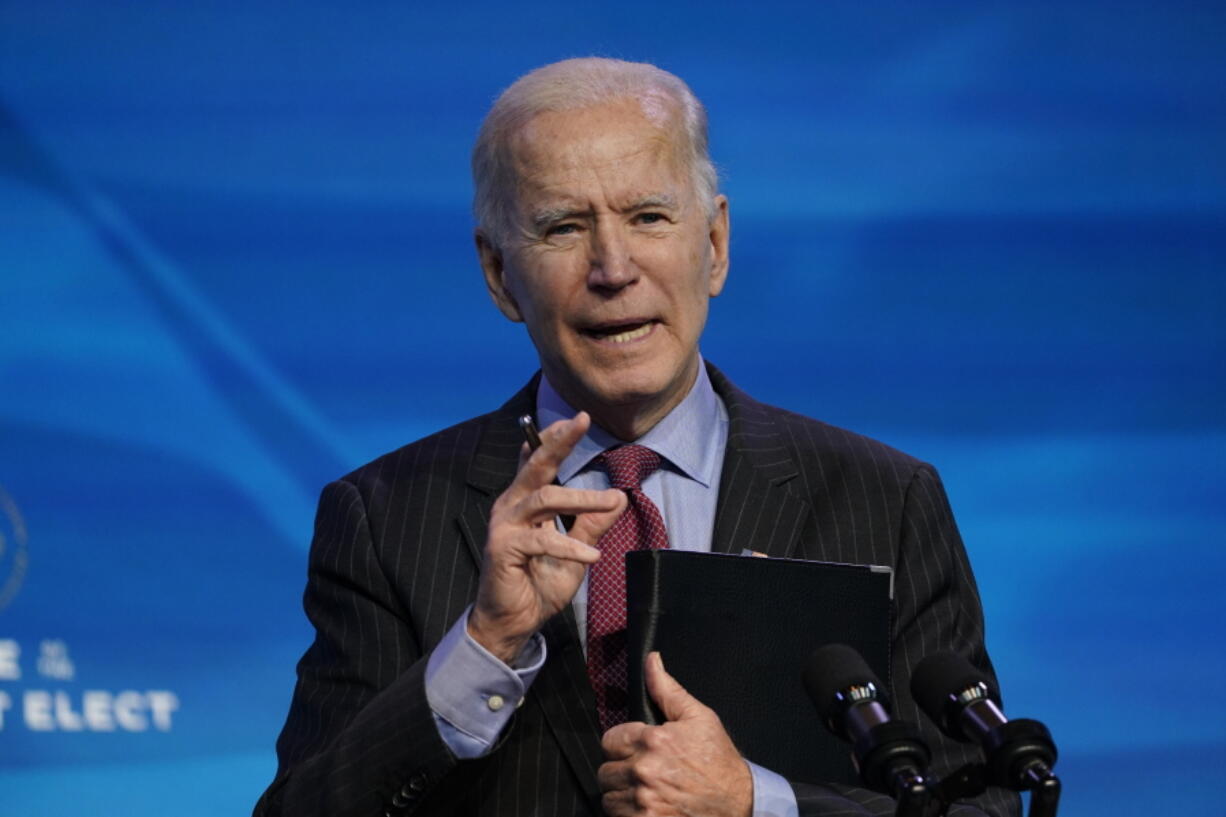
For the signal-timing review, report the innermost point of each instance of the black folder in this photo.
(736, 631)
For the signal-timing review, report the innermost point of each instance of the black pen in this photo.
(528, 425)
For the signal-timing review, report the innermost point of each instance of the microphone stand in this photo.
(890, 756)
(966, 781)
(971, 780)
(1021, 754)
(1044, 789)
(914, 796)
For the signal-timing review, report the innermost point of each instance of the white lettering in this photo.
(129, 711)
(100, 710)
(97, 706)
(68, 719)
(10, 651)
(37, 706)
(162, 703)
(6, 703)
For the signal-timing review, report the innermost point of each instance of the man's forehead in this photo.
(651, 113)
(558, 158)
(577, 138)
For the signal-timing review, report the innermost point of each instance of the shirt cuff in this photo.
(473, 694)
(772, 795)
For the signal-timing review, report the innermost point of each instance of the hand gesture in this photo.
(531, 570)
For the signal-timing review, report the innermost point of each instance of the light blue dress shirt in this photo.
(473, 694)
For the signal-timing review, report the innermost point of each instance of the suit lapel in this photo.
(561, 689)
(494, 462)
(756, 509)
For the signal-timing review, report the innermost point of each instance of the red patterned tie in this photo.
(640, 527)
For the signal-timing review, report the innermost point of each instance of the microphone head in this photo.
(836, 677)
(943, 684)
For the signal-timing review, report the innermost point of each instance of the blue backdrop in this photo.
(235, 261)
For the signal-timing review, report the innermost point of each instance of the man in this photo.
(459, 620)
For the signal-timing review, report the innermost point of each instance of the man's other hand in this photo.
(687, 766)
(531, 570)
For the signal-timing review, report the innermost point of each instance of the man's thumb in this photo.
(670, 696)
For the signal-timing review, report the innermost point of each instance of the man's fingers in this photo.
(543, 504)
(548, 542)
(618, 802)
(592, 525)
(557, 441)
(534, 498)
(623, 740)
(670, 696)
(614, 776)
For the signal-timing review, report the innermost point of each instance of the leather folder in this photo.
(736, 632)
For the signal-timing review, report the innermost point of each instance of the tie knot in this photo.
(629, 465)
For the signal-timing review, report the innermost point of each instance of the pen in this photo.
(528, 425)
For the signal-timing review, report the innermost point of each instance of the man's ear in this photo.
(718, 234)
(495, 281)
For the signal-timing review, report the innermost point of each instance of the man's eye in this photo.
(562, 229)
(650, 218)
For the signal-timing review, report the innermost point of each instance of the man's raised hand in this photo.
(531, 570)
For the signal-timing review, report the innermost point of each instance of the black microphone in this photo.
(963, 703)
(889, 754)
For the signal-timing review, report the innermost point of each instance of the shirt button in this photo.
(495, 702)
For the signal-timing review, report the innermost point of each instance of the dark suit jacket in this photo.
(395, 561)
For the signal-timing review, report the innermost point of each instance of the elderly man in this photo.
(470, 653)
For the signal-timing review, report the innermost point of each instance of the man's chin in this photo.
(627, 406)
(624, 391)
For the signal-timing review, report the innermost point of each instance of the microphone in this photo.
(889, 754)
(963, 703)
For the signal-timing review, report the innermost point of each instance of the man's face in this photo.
(611, 261)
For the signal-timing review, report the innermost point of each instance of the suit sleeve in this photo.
(360, 738)
(937, 609)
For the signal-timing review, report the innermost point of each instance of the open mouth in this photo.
(622, 332)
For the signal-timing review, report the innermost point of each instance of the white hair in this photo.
(576, 84)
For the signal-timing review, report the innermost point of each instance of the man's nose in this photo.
(610, 265)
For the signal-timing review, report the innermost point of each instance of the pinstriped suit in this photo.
(395, 561)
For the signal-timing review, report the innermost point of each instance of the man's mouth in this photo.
(622, 332)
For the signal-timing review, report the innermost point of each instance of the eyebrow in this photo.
(544, 218)
(656, 200)
(551, 215)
